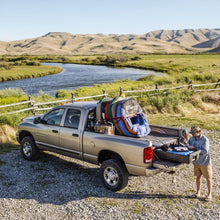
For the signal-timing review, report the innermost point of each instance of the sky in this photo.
(24, 19)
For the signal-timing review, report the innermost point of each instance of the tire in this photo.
(114, 174)
(28, 149)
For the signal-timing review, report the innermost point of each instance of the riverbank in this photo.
(74, 76)
(176, 68)
(25, 72)
(23, 67)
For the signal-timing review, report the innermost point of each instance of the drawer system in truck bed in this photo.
(181, 157)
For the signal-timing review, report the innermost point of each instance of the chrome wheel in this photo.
(27, 149)
(114, 174)
(111, 176)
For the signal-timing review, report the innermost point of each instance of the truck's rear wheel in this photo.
(28, 149)
(114, 174)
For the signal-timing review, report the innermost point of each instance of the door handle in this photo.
(75, 135)
(54, 131)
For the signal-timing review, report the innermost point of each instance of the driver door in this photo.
(49, 132)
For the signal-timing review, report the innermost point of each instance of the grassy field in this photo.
(11, 95)
(178, 68)
(23, 67)
(24, 72)
(172, 108)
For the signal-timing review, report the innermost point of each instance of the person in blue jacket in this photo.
(203, 165)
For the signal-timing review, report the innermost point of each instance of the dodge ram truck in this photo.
(69, 130)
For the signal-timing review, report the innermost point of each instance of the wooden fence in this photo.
(188, 86)
(34, 106)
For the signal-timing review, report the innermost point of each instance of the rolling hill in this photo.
(161, 41)
(213, 43)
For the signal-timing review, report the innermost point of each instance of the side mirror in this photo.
(37, 120)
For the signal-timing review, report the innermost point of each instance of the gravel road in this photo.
(58, 187)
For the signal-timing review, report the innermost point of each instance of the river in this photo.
(74, 76)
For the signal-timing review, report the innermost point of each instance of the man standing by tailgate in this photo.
(203, 165)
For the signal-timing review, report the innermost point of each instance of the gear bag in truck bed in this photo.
(125, 114)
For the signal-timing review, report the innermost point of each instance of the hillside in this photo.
(186, 37)
(161, 41)
(213, 43)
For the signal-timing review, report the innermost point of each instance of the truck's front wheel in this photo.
(114, 174)
(28, 149)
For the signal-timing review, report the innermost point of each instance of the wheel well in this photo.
(106, 155)
(24, 134)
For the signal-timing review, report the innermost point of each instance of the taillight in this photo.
(148, 155)
(187, 137)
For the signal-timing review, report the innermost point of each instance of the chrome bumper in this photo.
(161, 166)
(152, 171)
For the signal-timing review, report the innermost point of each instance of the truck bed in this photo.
(159, 140)
(161, 135)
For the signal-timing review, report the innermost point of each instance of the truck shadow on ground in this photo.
(55, 180)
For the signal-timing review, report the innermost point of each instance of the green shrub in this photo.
(12, 92)
(136, 58)
(157, 101)
(33, 63)
(43, 97)
(164, 80)
(150, 77)
(171, 100)
(13, 119)
(199, 77)
(62, 94)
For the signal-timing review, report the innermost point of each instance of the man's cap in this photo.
(195, 129)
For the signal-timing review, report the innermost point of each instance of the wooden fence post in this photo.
(218, 83)
(156, 87)
(121, 91)
(34, 110)
(73, 97)
(104, 94)
(30, 103)
(190, 86)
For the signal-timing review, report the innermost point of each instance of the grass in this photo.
(137, 208)
(24, 72)
(23, 67)
(176, 120)
(180, 68)
(173, 108)
(8, 96)
(106, 202)
(8, 147)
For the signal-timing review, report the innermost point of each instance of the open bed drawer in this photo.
(174, 156)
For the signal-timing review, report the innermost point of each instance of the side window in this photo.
(54, 117)
(72, 118)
